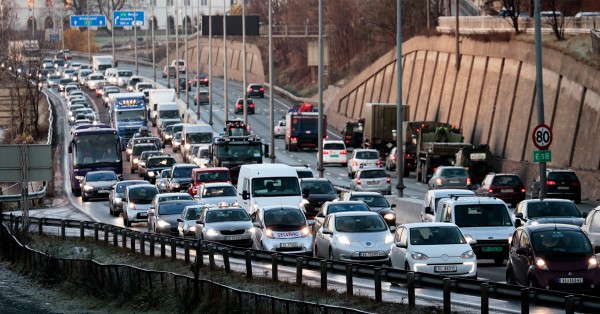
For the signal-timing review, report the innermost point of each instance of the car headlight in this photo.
(80, 178)
(88, 187)
(212, 232)
(534, 222)
(151, 173)
(390, 217)
(305, 232)
(162, 184)
(175, 185)
(129, 151)
(269, 233)
(136, 160)
(389, 238)
(117, 200)
(468, 255)
(592, 262)
(419, 256)
(541, 264)
(251, 230)
(143, 164)
(168, 136)
(344, 240)
(187, 146)
(132, 206)
(163, 224)
(192, 229)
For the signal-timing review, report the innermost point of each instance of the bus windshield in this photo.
(248, 150)
(93, 149)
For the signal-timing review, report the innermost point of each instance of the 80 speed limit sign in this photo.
(542, 136)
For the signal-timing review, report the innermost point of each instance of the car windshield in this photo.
(335, 146)
(182, 172)
(196, 138)
(436, 236)
(507, 181)
(454, 173)
(120, 188)
(203, 153)
(552, 209)
(183, 196)
(204, 176)
(142, 195)
(225, 215)
(138, 149)
(168, 114)
(562, 175)
(337, 208)
(318, 187)
(165, 173)
(482, 215)
(125, 73)
(100, 176)
(371, 200)
(284, 219)
(362, 223)
(161, 162)
(561, 242)
(219, 191)
(371, 174)
(172, 208)
(367, 155)
(275, 186)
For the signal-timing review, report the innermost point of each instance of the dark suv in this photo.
(255, 90)
(181, 177)
(315, 192)
(559, 184)
(505, 186)
(239, 106)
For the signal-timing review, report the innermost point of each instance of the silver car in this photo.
(215, 193)
(373, 180)
(186, 224)
(363, 158)
(162, 180)
(450, 177)
(282, 229)
(98, 184)
(549, 210)
(357, 237)
(137, 202)
(115, 199)
(224, 224)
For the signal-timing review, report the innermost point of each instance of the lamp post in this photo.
(135, 53)
(244, 61)
(167, 48)
(210, 65)
(112, 32)
(185, 53)
(88, 33)
(399, 149)
(271, 108)
(198, 51)
(177, 85)
(152, 34)
(226, 105)
(320, 127)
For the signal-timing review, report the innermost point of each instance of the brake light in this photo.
(523, 190)
(343, 152)
(576, 183)
(325, 152)
(434, 169)
(262, 89)
(408, 155)
(468, 181)
(355, 163)
(251, 105)
(550, 182)
(438, 181)
(379, 163)
(388, 180)
(249, 89)
(394, 158)
(358, 181)
(491, 191)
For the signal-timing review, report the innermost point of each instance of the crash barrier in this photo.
(168, 245)
(42, 191)
(487, 24)
(595, 36)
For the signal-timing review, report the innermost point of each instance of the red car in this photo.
(206, 175)
(505, 186)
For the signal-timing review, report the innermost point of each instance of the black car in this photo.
(181, 177)
(144, 159)
(183, 83)
(255, 90)
(559, 184)
(154, 165)
(201, 79)
(163, 218)
(239, 106)
(115, 199)
(376, 202)
(315, 193)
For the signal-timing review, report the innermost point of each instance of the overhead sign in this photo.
(234, 25)
(542, 156)
(39, 162)
(542, 136)
(88, 20)
(128, 18)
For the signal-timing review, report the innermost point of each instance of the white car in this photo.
(215, 193)
(334, 152)
(137, 203)
(279, 130)
(363, 158)
(93, 80)
(435, 248)
(282, 229)
(186, 223)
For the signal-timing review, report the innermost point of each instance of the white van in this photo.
(167, 110)
(432, 198)
(110, 75)
(157, 96)
(195, 134)
(262, 185)
(123, 77)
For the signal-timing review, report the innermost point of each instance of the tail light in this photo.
(491, 191)
(343, 152)
(575, 183)
(522, 190)
(251, 105)
(358, 181)
(325, 152)
(355, 163)
(379, 163)
(550, 182)
(468, 181)
(394, 158)
(249, 89)
(388, 180)
(434, 169)
(408, 155)
(262, 89)
(438, 181)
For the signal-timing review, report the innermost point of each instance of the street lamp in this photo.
(226, 105)
(399, 148)
(135, 53)
(271, 108)
(186, 24)
(244, 61)
(210, 65)
(167, 48)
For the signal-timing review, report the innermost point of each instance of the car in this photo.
(255, 90)
(372, 179)
(82, 113)
(70, 74)
(304, 172)
(279, 129)
(505, 186)
(434, 248)
(144, 159)
(98, 184)
(138, 199)
(149, 142)
(355, 237)
(201, 79)
(163, 217)
(184, 83)
(143, 85)
(163, 125)
(133, 81)
(162, 180)
(180, 64)
(560, 183)
(554, 257)
(203, 95)
(334, 152)
(376, 202)
(62, 83)
(172, 71)
(548, 210)
(202, 176)
(216, 193)
(137, 150)
(315, 192)
(181, 177)
(429, 207)
(53, 80)
(176, 142)
(107, 90)
(591, 226)
(74, 92)
(449, 177)
(225, 224)
(82, 75)
(66, 53)
(186, 223)
(282, 229)
(337, 207)
(155, 165)
(94, 80)
(239, 106)
(117, 194)
(122, 77)
(200, 155)
(362, 158)
(390, 160)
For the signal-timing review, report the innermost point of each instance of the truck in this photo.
(156, 96)
(236, 128)
(380, 125)
(353, 133)
(477, 159)
(437, 146)
(302, 128)
(234, 151)
(101, 63)
(410, 133)
(127, 114)
(24, 51)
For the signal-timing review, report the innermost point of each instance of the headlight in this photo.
(132, 206)
(117, 200)
(187, 146)
(541, 264)
(344, 240)
(151, 173)
(389, 238)
(419, 256)
(88, 187)
(468, 255)
(192, 229)
(305, 232)
(143, 164)
(269, 233)
(251, 230)
(163, 224)
(592, 262)
(162, 184)
(390, 217)
(136, 160)
(533, 223)
(175, 185)
(168, 136)
(80, 178)
(129, 151)
(212, 232)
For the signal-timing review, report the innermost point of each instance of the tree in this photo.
(511, 11)
(562, 13)
(106, 7)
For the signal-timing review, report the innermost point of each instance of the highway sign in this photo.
(542, 136)
(88, 20)
(542, 156)
(126, 18)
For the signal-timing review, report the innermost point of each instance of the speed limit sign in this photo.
(542, 136)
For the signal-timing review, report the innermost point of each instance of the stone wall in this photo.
(492, 97)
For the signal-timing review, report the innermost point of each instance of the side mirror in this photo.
(525, 251)
(305, 192)
(320, 214)
(428, 210)
(519, 215)
(393, 206)
(401, 245)
(585, 214)
(179, 220)
(392, 229)
(472, 242)
(245, 195)
(518, 223)
(326, 231)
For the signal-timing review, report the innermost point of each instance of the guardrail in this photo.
(595, 36)
(484, 24)
(139, 240)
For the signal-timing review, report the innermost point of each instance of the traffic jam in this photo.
(128, 145)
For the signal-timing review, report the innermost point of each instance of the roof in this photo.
(354, 213)
(550, 226)
(537, 200)
(275, 207)
(428, 224)
(216, 184)
(210, 169)
(448, 192)
(364, 193)
(476, 199)
(181, 165)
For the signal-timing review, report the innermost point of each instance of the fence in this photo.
(147, 243)
(595, 36)
(486, 24)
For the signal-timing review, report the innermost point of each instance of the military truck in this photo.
(437, 146)
(477, 159)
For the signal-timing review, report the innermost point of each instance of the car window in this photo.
(318, 187)
(221, 215)
(369, 174)
(142, 195)
(562, 175)
(367, 155)
(284, 218)
(371, 200)
(507, 180)
(171, 208)
(594, 223)
(103, 176)
(182, 172)
(436, 236)
(481, 215)
(453, 172)
(336, 146)
(371, 223)
(275, 187)
(560, 241)
(347, 208)
(212, 176)
(193, 213)
(219, 191)
(552, 209)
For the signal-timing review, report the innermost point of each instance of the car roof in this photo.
(132, 182)
(428, 224)
(554, 200)
(476, 199)
(276, 207)
(364, 193)
(190, 202)
(354, 213)
(366, 150)
(331, 141)
(217, 184)
(346, 203)
(448, 192)
(143, 185)
(314, 180)
(186, 166)
(550, 226)
(102, 171)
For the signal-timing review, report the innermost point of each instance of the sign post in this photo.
(542, 138)
(88, 21)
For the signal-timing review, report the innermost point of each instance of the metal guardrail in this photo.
(484, 24)
(471, 287)
(595, 36)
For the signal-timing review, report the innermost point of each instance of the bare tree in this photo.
(511, 11)
(561, 13)
(106, 7)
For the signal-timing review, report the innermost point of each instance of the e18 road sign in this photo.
(126, 18)
(542, 156)
(88, 20)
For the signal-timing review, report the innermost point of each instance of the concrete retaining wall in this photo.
(492, 97)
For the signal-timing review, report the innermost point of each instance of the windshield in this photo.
(224, 215)
(203, 153)
(182, 196)
(370, 223)
(168, 114)
(552, 209)
(125, 73)
(454, 173)
(247, 150)
(172, 208)
(133, 115)
(219, 191)
(482, 215)
(205, 176)
(142, 195)
(120, 188)
(96, 148)
(197, 138)
(165, 173)
(96, 77)
(275, 187)
(138, 149)
(337, 208)
(183, 172)
(561, 242)
(436, 236)
(371, 174)
(100, 176)
(335, 146)
(161, 162)
(284, 219)
(371, 200)
(367, 155)
(318, 187)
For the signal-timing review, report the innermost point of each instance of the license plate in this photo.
(570, 280)
(491, 249)
(373, 183)
(335, 156)
(563, 187)
(143, 215)
(444, 269)
(233, 238)
(506, 190)
(289, 244)
(369, 254)
(453, 181)
(103, 191)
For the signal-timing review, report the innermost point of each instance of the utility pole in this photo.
(539, 86)
(185, 53)
(271, 108)
(244, 61)
(198, 51)
(210, 65)
(399, 148)
(88, 32)
(135, 40)
(226, 105)
(177, 85)
(457, 35)
(112, 31)
(153, 54)
(62, 28)
(167, 66)
(320, 117)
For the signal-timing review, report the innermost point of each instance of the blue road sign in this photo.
(126, 18)
(85, 20)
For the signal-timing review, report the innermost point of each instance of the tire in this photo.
(84, 198)
(126, 220)
(331, 255)
(531, 283)
(510, 278)
(111, 210)
(316, 252)
(406, 266)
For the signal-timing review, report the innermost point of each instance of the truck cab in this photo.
(208, 175)
(236, 128)
(127, 114)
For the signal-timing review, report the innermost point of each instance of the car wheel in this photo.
(111, 210)
(331, 255)
(499, 261)
(126, 220)
(84, 198)
(316, 251)
(131, 170)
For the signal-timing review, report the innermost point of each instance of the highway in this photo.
(407, 209)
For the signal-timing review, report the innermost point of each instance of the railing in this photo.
(595, 36)
(139, 240)
(483, 24)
